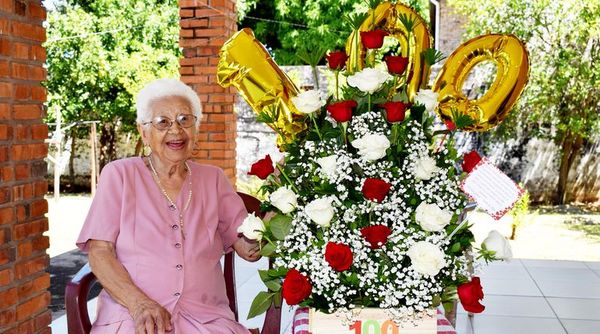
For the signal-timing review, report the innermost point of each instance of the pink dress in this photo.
(184, 276)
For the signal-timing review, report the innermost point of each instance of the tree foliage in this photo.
(101, 53)
(291, 25)
(562, 100)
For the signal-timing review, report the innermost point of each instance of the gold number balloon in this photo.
(512, 63)
(245, 63)
(412, 45)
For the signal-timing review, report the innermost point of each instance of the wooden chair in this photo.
(77, 290)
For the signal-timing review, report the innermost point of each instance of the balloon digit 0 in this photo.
(511, 59)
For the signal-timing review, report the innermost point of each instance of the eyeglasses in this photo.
(164, 123)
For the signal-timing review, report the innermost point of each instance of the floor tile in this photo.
(593, 265)
(504, 272)
(489, 324)
(553, 263)
(515, 306)
(567, 274)
(576, 308)
(569, 289)
(581, 326)
(510, 287)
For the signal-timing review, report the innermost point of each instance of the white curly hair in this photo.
(164, 88)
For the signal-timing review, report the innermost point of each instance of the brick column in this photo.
(24, 298)
(205, 26)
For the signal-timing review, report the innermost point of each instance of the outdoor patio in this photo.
(522, 296)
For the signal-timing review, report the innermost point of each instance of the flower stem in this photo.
(369, 102)
(282, 171)
(312, 117)
(337, 86)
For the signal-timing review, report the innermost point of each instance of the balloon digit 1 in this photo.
(387, 18)
(512, 63)
(245, 64)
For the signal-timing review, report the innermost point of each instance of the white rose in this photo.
(308, 102)
(328, 165)
(320, 211)
(431, 217)
(284, 199)
(368, 80)
(497, 242)
(252, 227)
(428, 98)
(372, 146)
(425, 168)
(426, 258)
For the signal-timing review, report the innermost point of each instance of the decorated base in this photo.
(370, 321)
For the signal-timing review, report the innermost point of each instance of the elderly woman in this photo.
(159, 225)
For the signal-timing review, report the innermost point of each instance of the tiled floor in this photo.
(521, 297)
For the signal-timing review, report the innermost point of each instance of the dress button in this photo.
(178, 245)
(176, 294)
(175, 227)
(179, 267)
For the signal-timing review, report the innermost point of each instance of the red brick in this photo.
(193, 61)
(29, 31)
(194, 23)
(5, 89)
(43, 320)
(7, 215)
(191, 79)
(5, 277)
(28, 229)
(3, 155)
(193, 42)
(7, 317)
(21, 132)
(22, 192)
(39, 151)
(21, 211)
(186, 33)
(36, 11)
(38, 53)
(8, 298)
(22, 172)
(40, 188)
(27, 111)
(20, 71)
(32, 287)
(5, 132)
(191, 3)
(6, 173)
(5, 197)
(212, 127)
(7, 255)
(33, 306)
(25, 326)
(4, 68)
(7, 5)
(24, 249)
(37, 73)
(39, 131)
(26, 268)
(186, 12)
(22, 92)
(39, 208)
(4, 111)
(209, 32)
(38, 93)
(5, 47)
(20, 50)
(41, 243)
(221, 118)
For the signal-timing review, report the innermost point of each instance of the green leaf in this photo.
(432, 56)
(461, 120)
(277, 299)
(280, 226)
(273, 285)
(267, 250)
(260, 304)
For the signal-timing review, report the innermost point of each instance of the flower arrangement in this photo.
(366, 201)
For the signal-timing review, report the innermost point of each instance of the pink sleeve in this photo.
(232, 212)
(103, 218)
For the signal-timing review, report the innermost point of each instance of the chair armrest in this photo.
(76, 293)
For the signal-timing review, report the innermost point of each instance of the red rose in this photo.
(375, 189)
(376, 235)
(395, 111)
(339, 256)
(342, 111)
(373, 39)
(450, 125)
(470, 160)
(396, 64)
(262, 168)
(296, 287)
(336, 60)
(470, 294)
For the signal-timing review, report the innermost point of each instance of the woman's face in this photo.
(174, 144)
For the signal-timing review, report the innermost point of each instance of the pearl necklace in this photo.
(172, 204)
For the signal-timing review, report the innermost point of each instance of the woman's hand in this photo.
(150, 317)
(247, 249)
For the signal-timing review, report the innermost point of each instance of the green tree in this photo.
(291, 25)
(562, 100)
(101, 53)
